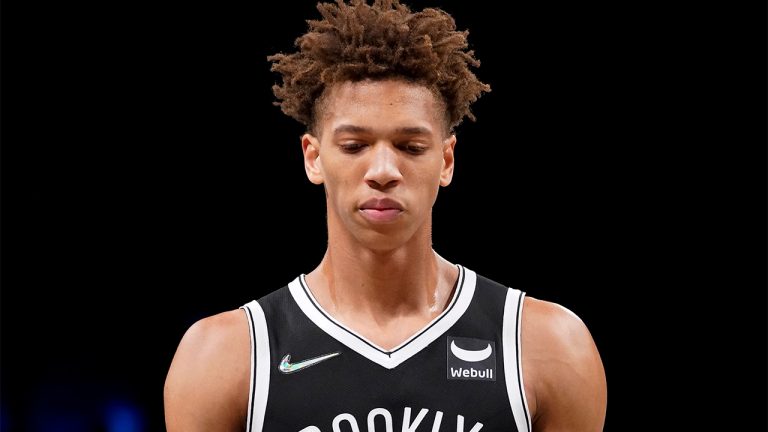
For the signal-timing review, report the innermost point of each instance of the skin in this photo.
(383, 279)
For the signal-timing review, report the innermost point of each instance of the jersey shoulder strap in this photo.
(513, 367)
(259, 379)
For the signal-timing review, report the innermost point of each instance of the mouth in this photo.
(380, 215)
(381, 210)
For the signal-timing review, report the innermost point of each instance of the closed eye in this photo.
(352, 148)
(414, 149)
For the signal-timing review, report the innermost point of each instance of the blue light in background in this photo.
(123, 417)
(67, 406)
(3, 420)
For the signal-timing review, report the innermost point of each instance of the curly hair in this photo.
(357, 41)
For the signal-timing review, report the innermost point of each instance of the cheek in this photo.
(339, 178)
(435, 170)
(428, 179)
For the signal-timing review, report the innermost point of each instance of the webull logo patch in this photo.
(471, 359)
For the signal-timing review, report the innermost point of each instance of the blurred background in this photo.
(148, 182)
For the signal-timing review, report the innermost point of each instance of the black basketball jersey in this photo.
(461, 372)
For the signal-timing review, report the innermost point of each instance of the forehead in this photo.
(382, 106)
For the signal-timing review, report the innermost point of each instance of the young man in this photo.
(385, 334)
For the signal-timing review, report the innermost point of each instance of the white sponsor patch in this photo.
(471, 359)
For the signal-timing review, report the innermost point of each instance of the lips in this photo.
(381, 210)
(381, 204)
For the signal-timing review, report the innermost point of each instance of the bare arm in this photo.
(207, 385)
(563, 374)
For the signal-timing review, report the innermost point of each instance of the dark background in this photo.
(616, 168)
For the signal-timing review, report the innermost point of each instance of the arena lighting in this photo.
(4, 421)
(122, 416)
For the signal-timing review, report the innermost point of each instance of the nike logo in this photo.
(471, 356)
(287, 367)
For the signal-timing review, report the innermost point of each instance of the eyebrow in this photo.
(351, 128)
(413, 130)
(407, 130)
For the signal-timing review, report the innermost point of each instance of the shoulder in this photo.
(218, 336)
(555, 326)
(563, 372)
(209, 378)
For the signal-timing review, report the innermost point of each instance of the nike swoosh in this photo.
(287, 367)
(471, 356)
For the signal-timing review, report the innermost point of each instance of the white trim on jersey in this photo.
(259, 389)
(389, 359)
(513, 367)
(249, 315)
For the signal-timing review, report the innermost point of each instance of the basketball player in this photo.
(385, 334)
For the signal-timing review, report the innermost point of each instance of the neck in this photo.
(356, 280)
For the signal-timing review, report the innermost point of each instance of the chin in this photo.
(383, 238)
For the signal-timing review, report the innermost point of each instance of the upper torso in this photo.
(459, 373)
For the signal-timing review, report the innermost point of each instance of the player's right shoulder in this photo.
(217, 330)
(208, 381)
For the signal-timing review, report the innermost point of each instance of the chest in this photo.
(457, 373)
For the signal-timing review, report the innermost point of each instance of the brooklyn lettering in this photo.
(409, 425)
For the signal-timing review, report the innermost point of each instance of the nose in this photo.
(383, 171)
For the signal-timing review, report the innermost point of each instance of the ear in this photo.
(310, 146)
(446, 174)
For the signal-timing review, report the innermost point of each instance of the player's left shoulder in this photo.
(556, 328)
(563, 370)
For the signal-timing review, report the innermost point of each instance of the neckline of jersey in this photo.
(463, 292)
